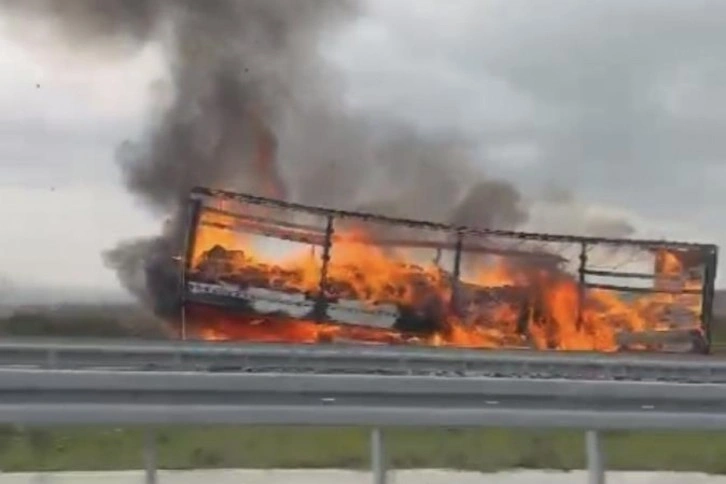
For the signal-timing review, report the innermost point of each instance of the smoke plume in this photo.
(254, 107)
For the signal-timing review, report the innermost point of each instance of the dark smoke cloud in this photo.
(254, 107)
(116, 26)
(558, 210)
(493, 203)
(234, 69)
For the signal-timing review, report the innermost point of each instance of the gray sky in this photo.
(620, 102)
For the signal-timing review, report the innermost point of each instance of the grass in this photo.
(82, 321)
(270, 447)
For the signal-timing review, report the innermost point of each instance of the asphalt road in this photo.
(61, 397)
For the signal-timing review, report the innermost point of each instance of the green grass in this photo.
(83, 321)
(483, 450)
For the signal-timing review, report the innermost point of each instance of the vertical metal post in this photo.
(595, 458)
(581, 285)
(193, 213)
(150, 456)
(707, 294)
(456, 274)
(183, 322)
(378, 457)
(321, 304)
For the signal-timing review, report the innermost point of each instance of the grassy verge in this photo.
(484, 450)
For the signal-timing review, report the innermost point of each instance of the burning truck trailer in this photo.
(264, 270)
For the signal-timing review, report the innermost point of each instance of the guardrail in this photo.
(161, 382)
(153, 397)
(391, 360)
(43, 396)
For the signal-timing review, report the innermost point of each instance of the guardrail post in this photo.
(378, 457)
(595, 458)
(150, 456)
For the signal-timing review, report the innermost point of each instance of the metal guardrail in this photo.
(115, 397)
(331, 359)
(200, 383)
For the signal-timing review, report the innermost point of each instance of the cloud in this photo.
(620, 100)
(61, 120)
(56, 236)
(51, 87)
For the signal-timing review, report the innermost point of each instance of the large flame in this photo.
(533, 306)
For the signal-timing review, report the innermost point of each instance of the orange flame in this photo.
(550, 311)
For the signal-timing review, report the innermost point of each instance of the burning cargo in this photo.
(261, 269)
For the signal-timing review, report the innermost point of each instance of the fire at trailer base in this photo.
(265, 270)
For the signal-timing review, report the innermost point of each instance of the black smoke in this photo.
(255, 107)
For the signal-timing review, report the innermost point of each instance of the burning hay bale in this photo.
(483, 290)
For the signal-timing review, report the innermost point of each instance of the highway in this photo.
(158, 383)
(342, 359)
(176, 397)
(133, 382)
